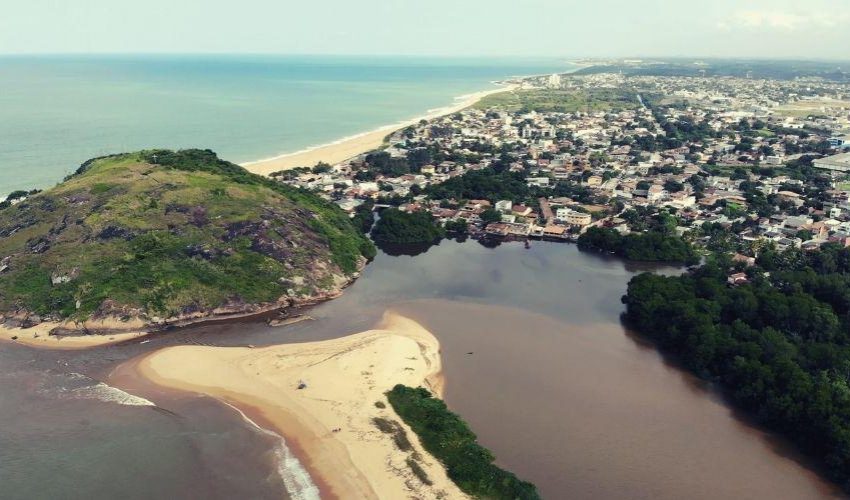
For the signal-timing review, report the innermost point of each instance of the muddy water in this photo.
(586, 411)
(535, 359)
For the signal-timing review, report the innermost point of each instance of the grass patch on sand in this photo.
(448, 438)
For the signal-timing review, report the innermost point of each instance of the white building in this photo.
(504, 206)
(572, 217)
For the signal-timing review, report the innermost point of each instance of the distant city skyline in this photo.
(816, 29)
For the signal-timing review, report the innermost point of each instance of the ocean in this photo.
(58, 111)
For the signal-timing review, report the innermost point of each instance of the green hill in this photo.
(162, 235)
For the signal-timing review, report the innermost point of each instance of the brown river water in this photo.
(535, 359)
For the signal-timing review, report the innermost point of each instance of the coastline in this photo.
(344, 379)
(355, 145)
(111, 330)
(39, 337)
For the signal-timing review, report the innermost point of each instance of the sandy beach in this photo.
(330, 421)
(350, 147)
(38, 336)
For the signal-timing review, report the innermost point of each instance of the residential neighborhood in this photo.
(737, 163)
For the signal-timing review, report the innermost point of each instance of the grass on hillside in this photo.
(126, 229)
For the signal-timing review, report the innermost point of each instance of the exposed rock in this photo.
(203, 252)
(111, 232)
(198, 216)
(39, 245)
(58, 278)
(78, 198)
(112, 309)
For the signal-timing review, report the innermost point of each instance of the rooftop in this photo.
(835, 162)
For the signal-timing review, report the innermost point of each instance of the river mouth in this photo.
(536, 360)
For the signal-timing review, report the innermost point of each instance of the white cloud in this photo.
(778, 20)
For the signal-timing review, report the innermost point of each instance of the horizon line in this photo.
(567, 58)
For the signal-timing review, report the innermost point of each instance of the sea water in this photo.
(58, 111)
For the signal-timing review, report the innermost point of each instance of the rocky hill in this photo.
(157, 238)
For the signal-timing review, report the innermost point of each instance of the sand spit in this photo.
(330, 419)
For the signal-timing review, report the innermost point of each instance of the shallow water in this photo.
(535, 359)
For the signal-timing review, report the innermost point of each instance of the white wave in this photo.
(94, 389)
(109, 394)
(295, 477)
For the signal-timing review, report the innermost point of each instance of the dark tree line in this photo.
(401, 228)
(778, 344)
(651, 246)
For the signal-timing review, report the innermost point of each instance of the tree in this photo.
(458, 226)
(490, 215)
(321, 168)
(673, 186)
(397, 227)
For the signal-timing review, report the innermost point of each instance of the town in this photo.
(727, 164)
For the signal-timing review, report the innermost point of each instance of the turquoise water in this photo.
(57, 111)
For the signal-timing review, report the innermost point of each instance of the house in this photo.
(654, 193)
(537, 181)
(737, 279)
(504, 205)
(478, 204)
(554, 231)
(749, 261)
(573, 217)
(594, 180)
(521, 210)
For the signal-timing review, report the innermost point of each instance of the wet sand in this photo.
(344, 379)
(39, 336)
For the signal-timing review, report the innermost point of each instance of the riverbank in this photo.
(39, 336)
(350, 147)
(330, 419)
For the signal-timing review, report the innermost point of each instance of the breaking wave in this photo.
(109, 394)
(295, 477)
(83, 387)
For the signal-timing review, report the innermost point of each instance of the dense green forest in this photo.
(778, 344)
(446, 436)
(651, 246)
(484, 184)
(397, 228)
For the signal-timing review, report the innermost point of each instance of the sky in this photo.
(811, 29)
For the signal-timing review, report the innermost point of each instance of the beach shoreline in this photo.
(328, 423)
(352, 146)
(39, 337)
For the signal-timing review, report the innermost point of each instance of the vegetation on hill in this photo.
(401, 228)
(446, 436)
(779, 345)
(163, 233)
(651, 246)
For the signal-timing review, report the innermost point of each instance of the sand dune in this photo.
(330, 421)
